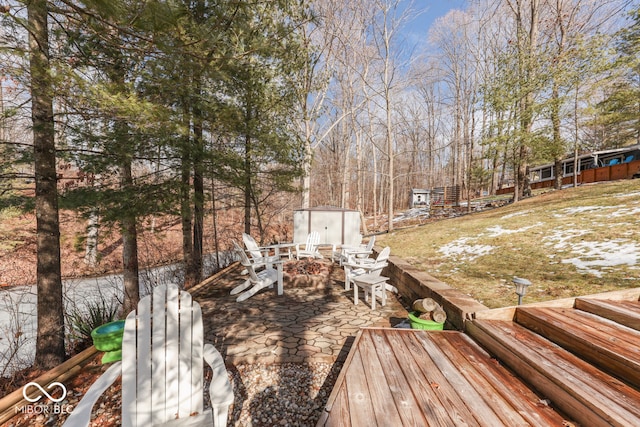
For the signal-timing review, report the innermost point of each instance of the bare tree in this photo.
(387, 22)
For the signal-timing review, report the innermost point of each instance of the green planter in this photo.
(108, 338)
(427, 325)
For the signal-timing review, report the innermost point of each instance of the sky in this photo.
(417, 29)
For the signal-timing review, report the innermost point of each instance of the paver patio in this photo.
(309, 323)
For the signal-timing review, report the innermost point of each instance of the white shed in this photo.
(420, 198)
(335, 225)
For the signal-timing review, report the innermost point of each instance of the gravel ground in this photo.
(287, 394)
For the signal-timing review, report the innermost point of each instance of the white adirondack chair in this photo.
(162, 371)
(256, 252)
(310, 247)
(355, 268)
(360, 253)
(258, 255)
(257, 280)
(338, 251)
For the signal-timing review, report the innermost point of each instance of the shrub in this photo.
(82, 321)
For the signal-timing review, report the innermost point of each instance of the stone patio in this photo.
(315, 322)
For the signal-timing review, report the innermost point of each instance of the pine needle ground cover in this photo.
(572, 242)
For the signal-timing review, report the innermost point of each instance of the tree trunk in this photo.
(214, 216)
(91, 251)
(194, 267)
(305, 201)
(185, 195)
(247, 184)
(50, 335)
(129, 248)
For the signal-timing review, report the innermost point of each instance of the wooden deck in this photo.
(581, 355)
(403, 377)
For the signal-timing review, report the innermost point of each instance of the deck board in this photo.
(426, 400)
(359, 397)
(614, 348)
(399, 385)
(623, 312)
(406, 377)
(567, 377)
(496, 385)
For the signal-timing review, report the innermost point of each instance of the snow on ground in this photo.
(625, 212)
(633, 194)
(592, 257)
(512, 215)
(415, 213)
(462, 250)
(581, 209)
(497, 230)
(561, 239)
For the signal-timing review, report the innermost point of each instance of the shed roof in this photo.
(327, 208)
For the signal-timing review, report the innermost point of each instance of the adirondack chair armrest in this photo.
(359, 253)
(351, 265)
(81, 415)
(257, 262)
(220, 390)
(354, 264)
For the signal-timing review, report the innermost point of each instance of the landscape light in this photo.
(521, 287)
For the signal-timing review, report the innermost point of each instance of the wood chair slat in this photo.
(195, 351)
(170, 314)
(129, 367)
(144, 370)
(157, 359)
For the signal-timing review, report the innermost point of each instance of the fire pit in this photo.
(306, 272)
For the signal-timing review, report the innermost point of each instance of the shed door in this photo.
(328, 224)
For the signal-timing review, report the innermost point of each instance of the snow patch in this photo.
(581, 209)
(461, 249)
(560, 239)
(497, 230)
(603, 254)
(515, 214)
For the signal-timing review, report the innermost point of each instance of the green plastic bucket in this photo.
(426, 325)
(108, 338)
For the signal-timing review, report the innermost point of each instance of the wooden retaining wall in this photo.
(413, 284)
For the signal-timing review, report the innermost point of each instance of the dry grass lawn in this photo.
(572, 242)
